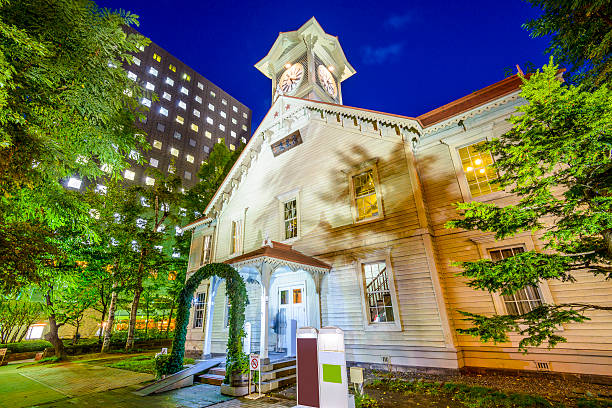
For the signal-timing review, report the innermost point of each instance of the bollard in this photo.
(333, 382)
(307, 368)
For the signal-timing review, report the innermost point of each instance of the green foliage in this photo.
(161, 365)
(557, 160)
(580, 35)
(211, 175)
(146, 364)
(26, 346)
(49, 360)
(17, 313)
(594, 403)
(236, 360)
(365, 401)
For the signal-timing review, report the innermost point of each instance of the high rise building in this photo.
(191, 115)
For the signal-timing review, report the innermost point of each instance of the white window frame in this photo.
(236, 244)
(210, 250)
(366, 166)
(396, 324)
(487, 243)
(282, 199)
(202, 308)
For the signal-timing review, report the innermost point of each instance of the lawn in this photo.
(141, 364)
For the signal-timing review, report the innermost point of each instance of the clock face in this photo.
(327, 81)
(291, 79)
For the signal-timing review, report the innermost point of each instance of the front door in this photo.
(292, 306)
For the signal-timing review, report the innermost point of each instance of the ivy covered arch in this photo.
(236, 290)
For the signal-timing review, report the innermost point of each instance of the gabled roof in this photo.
(280, 252)
(310, 31)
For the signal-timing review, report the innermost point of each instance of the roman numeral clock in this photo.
(307, 63)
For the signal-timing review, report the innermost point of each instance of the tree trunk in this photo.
(75, 339)
(133, 312)
(169, 319)
(607, 235)
(108, 330)
(147, 319)
(53, 338)
(104, 308)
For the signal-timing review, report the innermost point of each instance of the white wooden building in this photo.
(335, 215)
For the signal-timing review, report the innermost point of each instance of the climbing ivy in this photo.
(236, 360)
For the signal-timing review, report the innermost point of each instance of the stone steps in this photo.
(273, 376)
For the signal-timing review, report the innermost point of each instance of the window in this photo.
(136, 61)
(35, 332)
(194, 127)
(365, 199)
(156, 57)
(236, 236)
(206, 249)
(146, 102)
(189, 158)
(170, 81)
(161, 127)
(132, 75)
(223, 114)
(184, 90)
(232, 134)
(234, 121)
(379, 303)
(479, 172)
(174, 152)
(224, 101)
(129, 174)
(220, 140)
(209, 120)
(206, 150)
(74, 182)
(243, 140)
(235, 109)
(134, 155)
(153, 162)
(182, 105)
(199, 308)
(232, 147)
(523, 300)
(152, 71)
(167, 96)
(208, 134)
(244, 127)
(177, 135)
(198, 99)
(180, 119)
(186, 77)
(149, 181)
(101, 189)
(290, 219)
(150, 86)
(200, 85)
(211, 106)
(163, 111)
(221, 127)
(172, 68)
(188, 175)
(244, 115)
(192, 143)
(213, 94)
(157, 144)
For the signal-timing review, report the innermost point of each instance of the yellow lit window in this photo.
(149, 181)
(478, 169)
(364, 188)
(157, 144)
(156, 57)
(194, 127)
(189, 158)
(220, 140)
(186, 77)
(172, 68)
(174, 152)
(180, 120)
(290, 219)
(232, 147)
(208, 134)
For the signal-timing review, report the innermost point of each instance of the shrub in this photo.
(161, 365)
(26, 346)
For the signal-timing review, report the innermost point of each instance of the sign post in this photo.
(254, 365)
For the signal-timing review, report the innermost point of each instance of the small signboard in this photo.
(254, 365)
(254, 361)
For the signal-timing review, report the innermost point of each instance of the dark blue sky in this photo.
(410, 57)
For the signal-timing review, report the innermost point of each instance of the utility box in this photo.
(307, 367)
(333, 382)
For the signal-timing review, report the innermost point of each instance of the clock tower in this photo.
(307, 63)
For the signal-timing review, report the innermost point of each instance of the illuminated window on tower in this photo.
(478, 169)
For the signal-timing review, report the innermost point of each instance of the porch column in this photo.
(212, 293)
(266, 271)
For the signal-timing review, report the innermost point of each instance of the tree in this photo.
(581, 36)
(211, 175)
(66, 108)
(557, 160)
(17, 313)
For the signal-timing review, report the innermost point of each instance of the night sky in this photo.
(410, 57)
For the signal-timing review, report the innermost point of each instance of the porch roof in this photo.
(280, 254)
